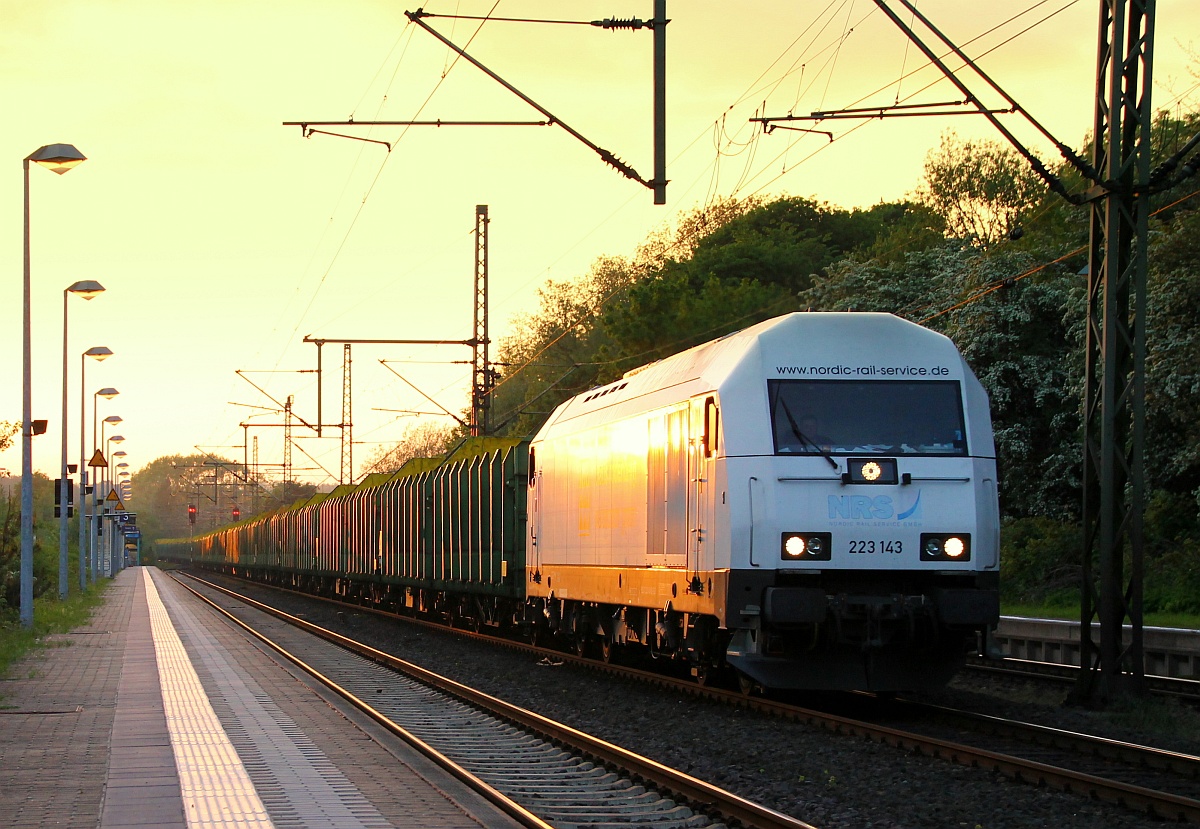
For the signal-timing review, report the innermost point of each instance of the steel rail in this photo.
(1184, 765)
(1166, 805)
(1167, 686)
(497, 798)
(706, 797)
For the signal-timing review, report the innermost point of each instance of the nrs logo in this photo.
(878, 508)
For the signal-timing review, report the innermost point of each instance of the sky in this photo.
(224, 238)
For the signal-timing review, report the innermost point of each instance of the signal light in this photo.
(237, 513)
(191, 513)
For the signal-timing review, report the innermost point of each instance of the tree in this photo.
(979, 188)
(743, 271)
(724, 266)
(1022, 340)
(558, 350)
(7, 430)
(286, 493)
(45, 557)
(1173, 356)
(425, 440)
(166, 486)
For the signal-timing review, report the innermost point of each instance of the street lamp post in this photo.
(59, 158)
(114, 439)
(108, 466)
(87, 289)
(98, 353)
(117, 461)
(101, 490)
(94, 521)
(120, 483)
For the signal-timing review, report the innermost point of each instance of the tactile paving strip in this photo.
(217, 791)
(298, 784)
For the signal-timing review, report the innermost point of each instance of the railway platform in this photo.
(161, 714)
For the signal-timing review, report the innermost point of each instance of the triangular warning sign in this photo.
(113, 496)
(98, 460)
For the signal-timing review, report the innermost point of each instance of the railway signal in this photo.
(58, 494)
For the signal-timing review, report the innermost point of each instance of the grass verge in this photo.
(1071, 614)
(49, 616)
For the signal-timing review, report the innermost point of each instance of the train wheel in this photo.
(746, 685)
(607, 650)
(581, 646)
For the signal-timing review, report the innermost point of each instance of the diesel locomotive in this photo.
(810, 502)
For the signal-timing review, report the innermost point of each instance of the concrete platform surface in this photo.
(159, 713)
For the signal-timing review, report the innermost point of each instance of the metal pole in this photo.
(83, 563)
(26, 438)
(63, 507)
(95, 522)
(1114, 415)
(319, 376)
(347, 470)
(92, 521)
(659, 183)
(480, 364)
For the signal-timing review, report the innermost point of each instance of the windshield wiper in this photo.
(803, 438)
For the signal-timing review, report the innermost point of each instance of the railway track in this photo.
(1147, 780)
(544, 773)
(1187, 690)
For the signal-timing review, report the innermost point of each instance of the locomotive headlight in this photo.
(794, 546)
(806, 547)
(945, 547)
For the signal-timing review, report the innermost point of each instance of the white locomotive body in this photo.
(811, 500)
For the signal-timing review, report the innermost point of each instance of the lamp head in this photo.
(57, 157)
(114, 419)
(87, 288)
(100, 352)
(108, 393)
(116, 439)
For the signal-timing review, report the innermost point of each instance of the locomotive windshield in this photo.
(811, 417)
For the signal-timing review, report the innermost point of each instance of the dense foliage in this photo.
(983, 253)
(45, 545)
(216, 486)
(986, 255)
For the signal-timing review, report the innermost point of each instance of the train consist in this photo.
(810, 502)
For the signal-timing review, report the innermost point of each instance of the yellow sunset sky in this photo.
(224, 238)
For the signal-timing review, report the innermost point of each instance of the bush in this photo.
(1040, 561)
(1040, 558)
(1171, 574)
(45, 560)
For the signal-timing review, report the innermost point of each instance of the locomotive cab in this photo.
(882, 508)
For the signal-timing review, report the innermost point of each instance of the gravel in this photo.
(828, 780)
